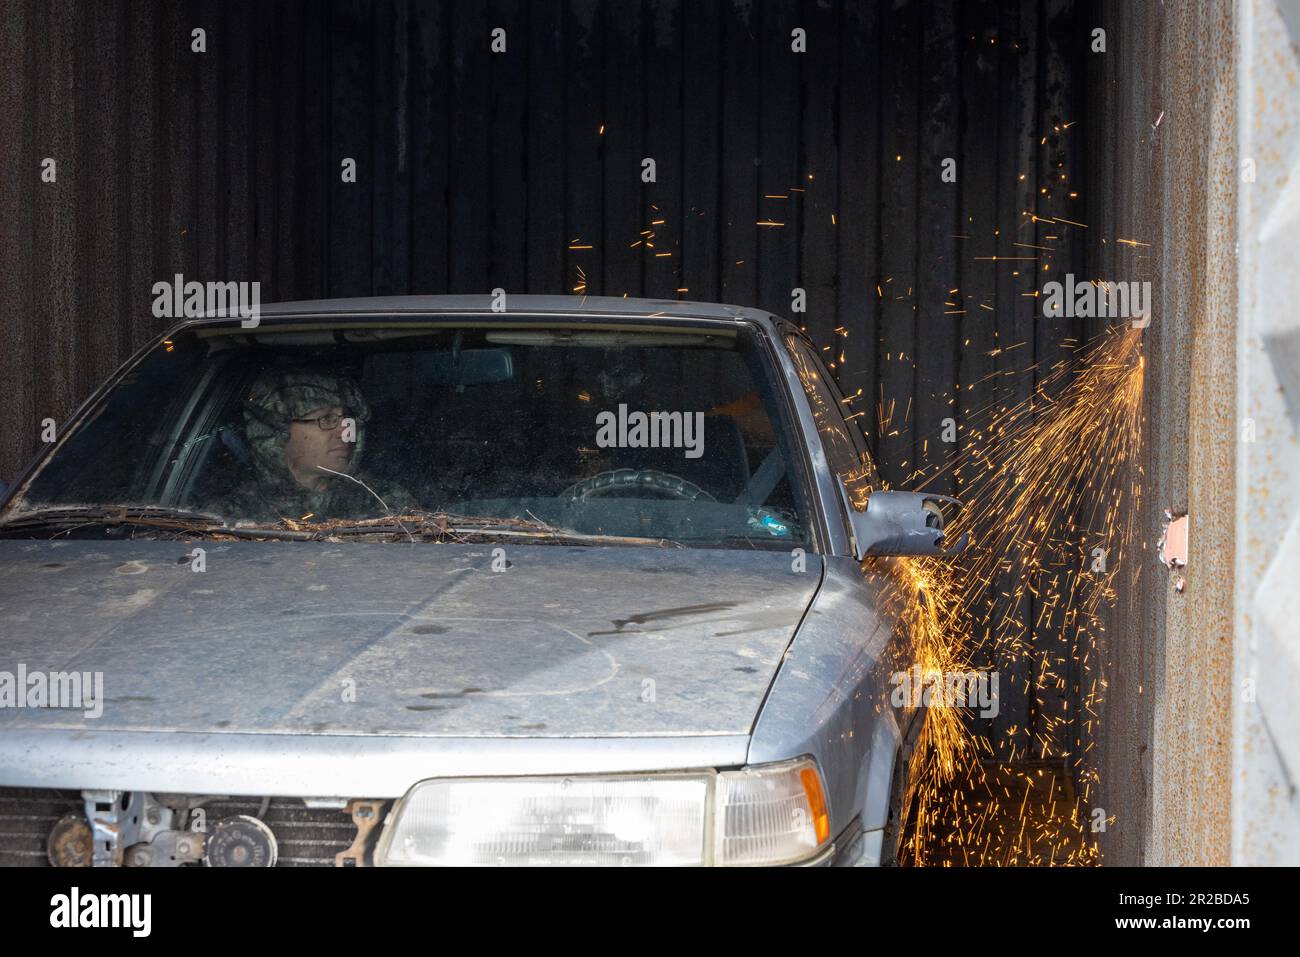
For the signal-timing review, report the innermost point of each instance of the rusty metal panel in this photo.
(1164, 96)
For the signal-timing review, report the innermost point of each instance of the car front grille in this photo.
(306, 836)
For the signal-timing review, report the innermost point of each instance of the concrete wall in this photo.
(1266, 739)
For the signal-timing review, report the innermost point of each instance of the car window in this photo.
(657, 433)
(842, 438)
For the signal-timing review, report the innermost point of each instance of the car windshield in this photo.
(671, 433)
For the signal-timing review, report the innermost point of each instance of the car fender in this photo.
(830, 698)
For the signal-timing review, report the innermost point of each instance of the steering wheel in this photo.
(610, 483)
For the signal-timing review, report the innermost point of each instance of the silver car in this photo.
(583, 586)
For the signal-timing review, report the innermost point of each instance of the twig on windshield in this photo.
(353, 478)
(545, 525)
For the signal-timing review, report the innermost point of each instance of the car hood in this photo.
(397, 639)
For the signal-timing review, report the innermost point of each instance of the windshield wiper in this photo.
(411, 526)
(442, 526)
(154, 515)
(64, 519)
(563, 535)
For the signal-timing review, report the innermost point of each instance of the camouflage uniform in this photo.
(276, 397)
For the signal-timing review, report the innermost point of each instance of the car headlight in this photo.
(765, 814)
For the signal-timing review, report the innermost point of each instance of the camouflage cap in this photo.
(278, 396)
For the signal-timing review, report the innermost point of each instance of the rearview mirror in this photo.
(903, 523)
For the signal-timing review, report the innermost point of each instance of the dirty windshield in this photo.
(661, 433)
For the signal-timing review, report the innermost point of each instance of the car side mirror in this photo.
(903, 523)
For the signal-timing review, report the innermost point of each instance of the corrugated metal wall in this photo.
(775, 170)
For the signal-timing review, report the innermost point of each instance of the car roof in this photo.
(575, 307)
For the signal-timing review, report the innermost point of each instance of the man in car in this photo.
(306, 432)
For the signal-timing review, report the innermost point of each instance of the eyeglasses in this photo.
(328, 422)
